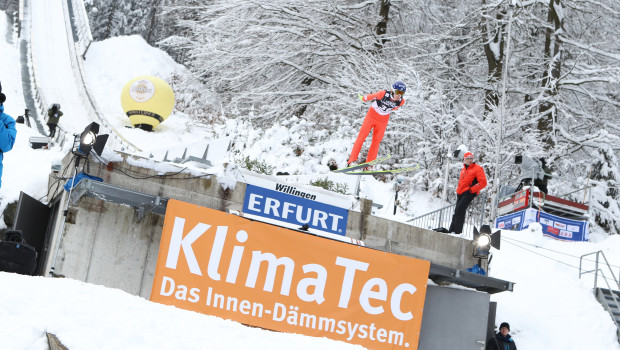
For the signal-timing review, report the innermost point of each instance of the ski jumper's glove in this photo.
(360, 97)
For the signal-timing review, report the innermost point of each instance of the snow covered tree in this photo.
(113, 18)
(288, 57)
(553, 93)
(606, 189)
(9, 6)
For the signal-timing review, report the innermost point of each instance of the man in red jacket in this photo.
(471, 181)
(384, 103)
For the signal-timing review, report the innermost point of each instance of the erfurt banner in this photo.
(296, 207)
(271, 277)
(552, 225)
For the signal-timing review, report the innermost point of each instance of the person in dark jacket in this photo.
(471, 181)
(7, 132)
(502, 340)
(53, 115)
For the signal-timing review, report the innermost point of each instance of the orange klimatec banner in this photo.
(224, 265)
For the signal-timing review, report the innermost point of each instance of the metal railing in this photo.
(83, 36)
(507, 192)
(598, 271)
(442, 217)
(26, 50)
(78, 31)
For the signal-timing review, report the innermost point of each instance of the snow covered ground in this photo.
(89, 317)
(550, 308)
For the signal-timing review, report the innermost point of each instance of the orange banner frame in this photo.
(224, 265)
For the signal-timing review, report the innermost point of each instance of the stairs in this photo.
(610, 299)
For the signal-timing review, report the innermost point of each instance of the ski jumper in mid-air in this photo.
(384, 102)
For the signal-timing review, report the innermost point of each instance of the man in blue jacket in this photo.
(7, 132)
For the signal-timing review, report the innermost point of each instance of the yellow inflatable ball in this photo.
(147, 101)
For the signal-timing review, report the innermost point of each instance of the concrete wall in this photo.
(390, 236)
(105, 243)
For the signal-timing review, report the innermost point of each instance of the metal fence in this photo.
(598, 270)
(474, 216)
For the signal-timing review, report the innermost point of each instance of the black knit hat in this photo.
(504, 324)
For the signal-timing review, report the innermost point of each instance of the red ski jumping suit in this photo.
(377, 118)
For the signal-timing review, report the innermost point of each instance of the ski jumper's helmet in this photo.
(400, 86)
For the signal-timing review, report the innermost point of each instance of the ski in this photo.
(382, 172)
(363, 165)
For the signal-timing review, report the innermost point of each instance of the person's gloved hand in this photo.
(360, 96)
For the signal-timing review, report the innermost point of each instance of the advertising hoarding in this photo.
(271, 277)
(295, 207)
(552, 225)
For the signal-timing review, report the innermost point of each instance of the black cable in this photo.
(125, 171)
(58, 180)
(166, 176)
(544, 256)
(551, 250)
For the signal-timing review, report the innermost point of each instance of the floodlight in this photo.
(458, 154)
(89, 140)
(484, 240)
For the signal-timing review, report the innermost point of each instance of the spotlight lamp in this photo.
(89, 140)
(459, 152)
(484, 240)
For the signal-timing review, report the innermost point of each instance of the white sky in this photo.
(550, 308)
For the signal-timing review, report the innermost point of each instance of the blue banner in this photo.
(295, 209)
(564, 229)
(513, 222)
(552, 225)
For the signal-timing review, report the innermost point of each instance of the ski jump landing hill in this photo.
(55, 36)
(109, 232)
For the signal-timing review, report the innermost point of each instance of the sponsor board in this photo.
(564, 229)
(510, 222)
(310, 192)
(552, 225)
(295, 207)
(271, 277)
